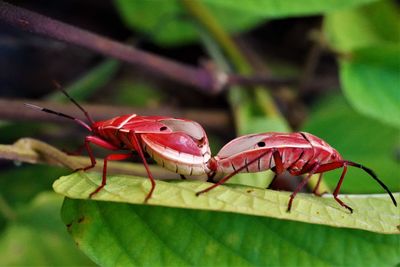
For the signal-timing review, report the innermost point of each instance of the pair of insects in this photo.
(181, 146)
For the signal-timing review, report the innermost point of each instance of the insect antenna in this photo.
(84, 124)
(375, 177)
(87, 115)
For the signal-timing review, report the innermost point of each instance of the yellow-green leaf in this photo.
(371, 212)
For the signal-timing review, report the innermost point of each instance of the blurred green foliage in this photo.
(176, 27)
(369, 39)
(38, 237)
(359, 139)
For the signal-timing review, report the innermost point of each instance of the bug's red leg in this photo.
(226, 178)
(278, 166)
(278, 162)
(76, 152)
(336, 192)
(332, 166)
(138, 148)
(315, 191)
(301, 185)
(97, 141)
(104, 178)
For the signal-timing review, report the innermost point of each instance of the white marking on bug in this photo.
(122, 124)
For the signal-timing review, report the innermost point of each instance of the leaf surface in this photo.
(117, 234)
(371, 212)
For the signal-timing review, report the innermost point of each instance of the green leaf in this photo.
(286, 8)
(373, 212)
(370, 36)
(168, 23)
(115, 234)
(137, 94)
(22, 190)
(373, 24)
(38, 238)
(90, 82)
(370, 80)
(359, 139)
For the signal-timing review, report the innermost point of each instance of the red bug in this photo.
(297, 153)
(177, 144)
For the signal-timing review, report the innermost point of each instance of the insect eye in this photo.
(261, 144)
(163, 128)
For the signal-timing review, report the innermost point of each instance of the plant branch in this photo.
(14, 110)
(208, 81)
(34, 151)
(204, 17)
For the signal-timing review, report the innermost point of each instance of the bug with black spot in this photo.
(178, 145)
(297, 153)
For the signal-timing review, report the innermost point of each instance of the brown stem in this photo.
(36, 23)
(207, 81)
(14, 110)
(35, 151)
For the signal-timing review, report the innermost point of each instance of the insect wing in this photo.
(191, 128)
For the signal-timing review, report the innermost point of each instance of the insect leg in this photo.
(138, 147)
(76, 152)
(104, 178)
(335, 165)
(301, 185)
(226, 178)
(97, 141)
(278, 162)
(336, 192)
(279, 169)
(315, 191)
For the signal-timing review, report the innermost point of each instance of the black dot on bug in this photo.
(261, 144)
(163, 128)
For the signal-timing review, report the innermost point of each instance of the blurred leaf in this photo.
(371, 79)
(9, 130)
(32, 179)
(374, 24)
(115, 234)
(137, 94)
(38, 238)
(372, 212)
(167, 21)
(370, 35)
(285, 8)
(90, 82)
(358, 139)
(263, 124)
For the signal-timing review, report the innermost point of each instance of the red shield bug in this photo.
(177, 144)
(298, 153)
